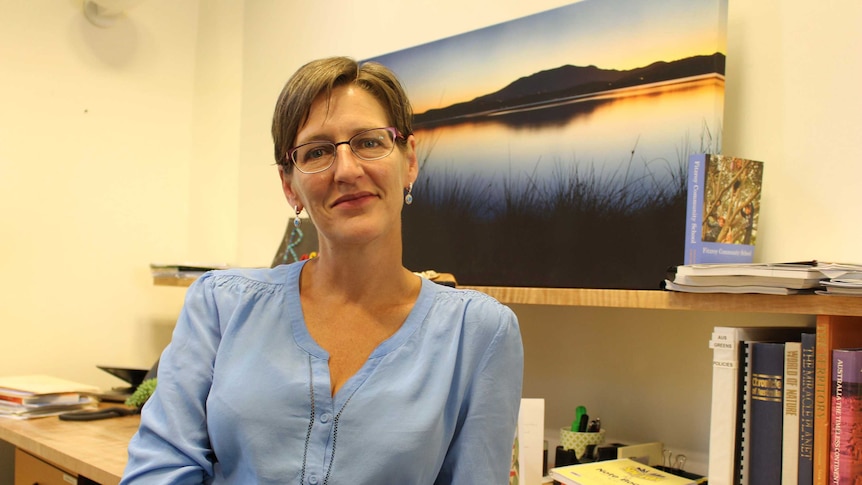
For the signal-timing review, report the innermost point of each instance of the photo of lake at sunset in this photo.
(553, 148)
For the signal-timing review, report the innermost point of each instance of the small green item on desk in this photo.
(142, 393)
(580, 412)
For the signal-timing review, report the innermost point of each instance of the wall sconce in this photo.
(104, 13)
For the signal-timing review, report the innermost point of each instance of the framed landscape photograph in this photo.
(553, 148)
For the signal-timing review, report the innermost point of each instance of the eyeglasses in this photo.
(369, 145)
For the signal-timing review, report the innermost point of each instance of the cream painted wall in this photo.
(96, 138)
(149, 141)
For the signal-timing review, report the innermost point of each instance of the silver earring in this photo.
(296, 220)
(408, 199)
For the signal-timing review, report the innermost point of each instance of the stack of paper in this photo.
(33, 396)
(844, 279)
(769, 278)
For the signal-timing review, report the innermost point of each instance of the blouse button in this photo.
(325, 417)
(312, 479)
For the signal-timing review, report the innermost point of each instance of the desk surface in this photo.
(94, 449)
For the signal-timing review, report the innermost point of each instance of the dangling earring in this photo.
(296, 220)
(408, 199)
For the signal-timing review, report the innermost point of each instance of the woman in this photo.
(346, 368)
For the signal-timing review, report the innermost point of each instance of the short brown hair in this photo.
(321, 77)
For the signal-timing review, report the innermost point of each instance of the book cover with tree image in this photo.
(723, 209)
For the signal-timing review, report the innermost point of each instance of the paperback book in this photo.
(723, 209)
(623, 471)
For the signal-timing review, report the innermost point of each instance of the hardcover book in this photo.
(806, 410)
(790, 435)
(622, 471)
(833, 332)
(845, 447)
(767, 415)
(723, 209)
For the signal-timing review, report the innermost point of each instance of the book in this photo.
(528, 448)
(623, 471)
(743, 448)
(723, 208)
(765, 272)
(833, 332)
(767, 416)
(13, 397)
(179, 269)
(845, 447)
(765, 290)
(743, 280)
(32, 385)
(806, 410)
(10, 410)
(790, 408)
(728, 379)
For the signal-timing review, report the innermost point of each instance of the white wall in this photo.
(149, 141)
(95, 150)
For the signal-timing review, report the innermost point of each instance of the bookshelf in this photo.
(650, 299)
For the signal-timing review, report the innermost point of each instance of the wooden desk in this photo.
(92, 449)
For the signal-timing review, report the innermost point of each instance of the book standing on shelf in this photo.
(845, 445)
(806, 410)
(726, 434)
(790, 406)
(767, 415)
(833, 332)
(723, 209)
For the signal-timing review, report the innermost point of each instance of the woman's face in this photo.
(353, 201)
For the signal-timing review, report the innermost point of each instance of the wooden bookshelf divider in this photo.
(649, 299)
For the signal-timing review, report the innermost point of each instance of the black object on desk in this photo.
(132, 376)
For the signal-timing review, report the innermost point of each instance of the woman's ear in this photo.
(286, 179)
(412, 160)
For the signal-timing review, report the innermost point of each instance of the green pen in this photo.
(579, 411)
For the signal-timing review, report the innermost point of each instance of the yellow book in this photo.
(623, 471)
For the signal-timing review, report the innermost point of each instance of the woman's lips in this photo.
(352, 199)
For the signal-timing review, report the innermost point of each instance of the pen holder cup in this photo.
(573, 440)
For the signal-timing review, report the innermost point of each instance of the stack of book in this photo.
(769, 278)
(787, 404)
(34, 396)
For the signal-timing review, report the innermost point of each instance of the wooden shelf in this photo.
(670, 300)
(650, 299)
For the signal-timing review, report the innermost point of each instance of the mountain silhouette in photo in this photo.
(569, 82)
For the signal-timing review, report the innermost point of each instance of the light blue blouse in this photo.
(244, 397)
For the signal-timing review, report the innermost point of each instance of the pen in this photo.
(582, 427)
